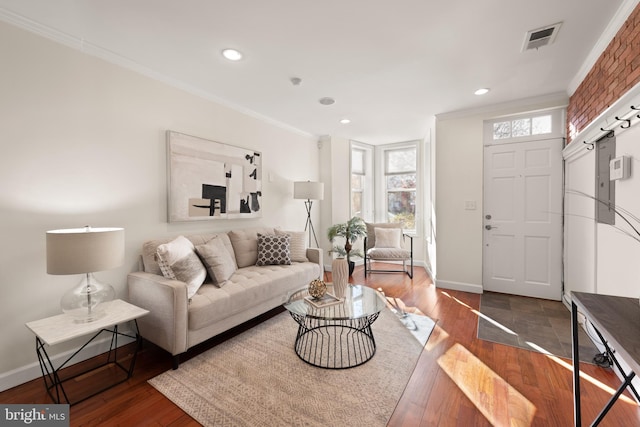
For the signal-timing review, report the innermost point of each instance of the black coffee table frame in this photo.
(333, 337)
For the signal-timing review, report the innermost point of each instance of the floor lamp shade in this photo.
(85, 251)
(308, 190)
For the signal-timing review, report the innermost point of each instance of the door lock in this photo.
(487, 216)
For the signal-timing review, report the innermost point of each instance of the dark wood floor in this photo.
(459, 380)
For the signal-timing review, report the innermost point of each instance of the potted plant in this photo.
(350, 231)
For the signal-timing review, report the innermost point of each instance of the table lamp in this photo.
(85, 251)
(309, 191)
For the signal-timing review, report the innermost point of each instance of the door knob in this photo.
(488, 227)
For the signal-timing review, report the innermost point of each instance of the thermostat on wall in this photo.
(620, 168)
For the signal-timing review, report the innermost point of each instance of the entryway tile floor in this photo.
(518, 321)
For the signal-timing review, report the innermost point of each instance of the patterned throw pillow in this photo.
(273, 250)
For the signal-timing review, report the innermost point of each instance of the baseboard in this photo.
(459, 286)
(361, 262)
(32, 371)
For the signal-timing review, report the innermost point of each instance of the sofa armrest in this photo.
(315, 256)
(167, 323)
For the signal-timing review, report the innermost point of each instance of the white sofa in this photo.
(177, 321)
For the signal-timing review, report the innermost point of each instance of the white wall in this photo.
(459, 167)
(579, 221)
(618, 269)
(83, 142)
(600, 258)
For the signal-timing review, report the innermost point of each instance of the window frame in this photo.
(381, 176)
(368, 181)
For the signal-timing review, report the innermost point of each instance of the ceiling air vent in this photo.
(541, 37)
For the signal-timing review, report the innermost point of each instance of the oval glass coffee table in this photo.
(338, 336)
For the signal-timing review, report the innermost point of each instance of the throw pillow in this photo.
(298, 244)
(217, 260)
(388, 237)
(178, 260)
(245, 244)
(371, 234)
(273, 250)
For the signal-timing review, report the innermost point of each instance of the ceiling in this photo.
(390, 66)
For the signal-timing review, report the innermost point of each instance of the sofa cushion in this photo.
(178, 260)
(297, 244)
(273, 249)
(246, 288)
(217, 260)
(245, 244)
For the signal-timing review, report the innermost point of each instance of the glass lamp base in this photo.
(83, 302)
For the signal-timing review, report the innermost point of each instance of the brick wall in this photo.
(615, 72)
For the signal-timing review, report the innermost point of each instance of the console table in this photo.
(617, 323)
(62, 328)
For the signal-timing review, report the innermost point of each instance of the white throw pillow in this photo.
(217, 260)
(297, 244)
(388, 237)
(178, 260)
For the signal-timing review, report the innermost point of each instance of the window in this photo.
(527, 126)
(400, 177)
(362, 181)
(357, 181)
(395, 173)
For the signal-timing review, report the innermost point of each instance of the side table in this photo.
(62, 328)
(616, 321)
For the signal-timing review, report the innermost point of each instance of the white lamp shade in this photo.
(84, 250)
(308, 190)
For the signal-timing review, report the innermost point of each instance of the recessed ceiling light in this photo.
(481, 91)
(345, 121)
(232, 54)
(327, 101)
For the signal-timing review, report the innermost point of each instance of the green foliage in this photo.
(350, 231)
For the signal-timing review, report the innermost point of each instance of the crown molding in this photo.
(553, 100)
(608, 34)
(113, 58)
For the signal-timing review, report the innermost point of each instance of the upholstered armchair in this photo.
(387, 242)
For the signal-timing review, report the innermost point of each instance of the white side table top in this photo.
(62, 327)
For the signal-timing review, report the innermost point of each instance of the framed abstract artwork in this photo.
(211, 180)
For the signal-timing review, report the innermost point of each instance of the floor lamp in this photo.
(309, 191)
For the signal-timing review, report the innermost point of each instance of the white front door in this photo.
(522, 218)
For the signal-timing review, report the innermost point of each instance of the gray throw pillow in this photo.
(218, 261)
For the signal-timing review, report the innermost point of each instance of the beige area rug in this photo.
(256, 379)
